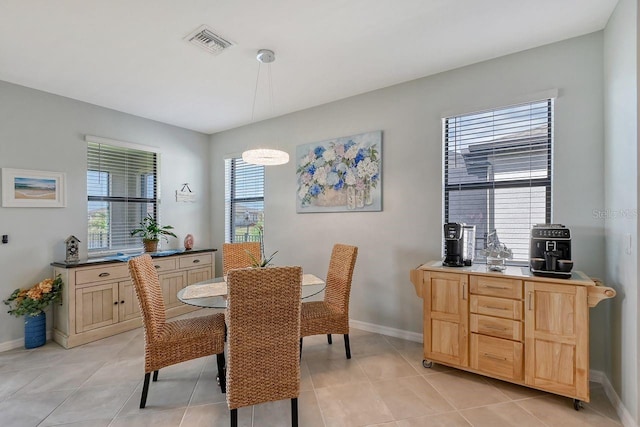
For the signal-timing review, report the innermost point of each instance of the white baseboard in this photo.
(624, 415)
(595, 376)
(385, 330)
(19, 343)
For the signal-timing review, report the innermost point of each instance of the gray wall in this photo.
(46, 132)
(621, 201)
(408, 230)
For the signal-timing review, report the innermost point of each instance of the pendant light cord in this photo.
(255, 92)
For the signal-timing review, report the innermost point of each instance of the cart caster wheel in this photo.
(577, 404)
(427, 363)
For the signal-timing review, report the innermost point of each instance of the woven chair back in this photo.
(339, 275)
(147, 286)
(234, 255)
(263, 315)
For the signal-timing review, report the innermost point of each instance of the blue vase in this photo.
(35, 330)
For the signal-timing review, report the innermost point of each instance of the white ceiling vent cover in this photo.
(205, 38)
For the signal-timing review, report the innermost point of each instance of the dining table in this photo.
(212, 293)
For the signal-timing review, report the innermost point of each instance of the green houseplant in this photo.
(151, 232)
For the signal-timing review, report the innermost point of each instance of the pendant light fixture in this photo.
(264, 156)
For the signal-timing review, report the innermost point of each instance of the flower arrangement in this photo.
(32, 301)
(255, 263)
(335, 167)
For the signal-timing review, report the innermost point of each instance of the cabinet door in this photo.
(557, 338)
(171, 283)
(128, 301)
(446, 318)
(198, 275)
(96, 306)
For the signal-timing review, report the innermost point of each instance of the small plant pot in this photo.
(150, 245)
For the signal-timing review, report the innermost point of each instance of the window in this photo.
(497, 173)
(244, 201)
(122, 189)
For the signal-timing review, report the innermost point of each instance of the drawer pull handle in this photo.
(157, 267)
(105, 274)
(495, 328)
(115, 303)
(122, 302)
(195, 261)
(496, 287)
(493, 356)
(496, 308)
(530, 295)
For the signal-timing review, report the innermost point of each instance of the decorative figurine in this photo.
(73, 249)
(188, 242)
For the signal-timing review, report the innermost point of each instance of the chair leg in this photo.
(221, 372)
(155, 376)
(347, 349)
(145, 390)
(329, 339)
(234, 418)
(300, 348)
(294, 412)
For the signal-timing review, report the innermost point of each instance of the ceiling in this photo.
(131, 55)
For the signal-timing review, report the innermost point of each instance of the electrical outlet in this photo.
(5, 238)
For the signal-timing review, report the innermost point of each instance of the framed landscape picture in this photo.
(23, 188)
(340, 175)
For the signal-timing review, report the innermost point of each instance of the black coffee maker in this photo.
(550, 251)
(459, 244)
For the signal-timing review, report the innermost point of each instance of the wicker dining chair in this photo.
(236, 255)
(168, 343)
(263, 318)
(331, 316)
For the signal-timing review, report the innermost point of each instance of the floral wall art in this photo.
(341, 174)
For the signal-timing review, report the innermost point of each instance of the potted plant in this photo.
(151, 232)
(31, 304)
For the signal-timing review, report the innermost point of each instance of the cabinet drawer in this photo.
(496, 327)
(499, 307)
(164, 264)
(195, 260)
(111, 272)
(496, 356)
(496, 287)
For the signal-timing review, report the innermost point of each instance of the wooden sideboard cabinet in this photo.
(99, 300)
(511, 325)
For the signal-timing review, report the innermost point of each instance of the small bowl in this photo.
(537, 263)
(564, 265)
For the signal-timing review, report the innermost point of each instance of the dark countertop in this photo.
(117, 258)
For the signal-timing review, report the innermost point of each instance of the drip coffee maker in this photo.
(459, 244)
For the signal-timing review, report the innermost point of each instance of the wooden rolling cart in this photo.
(511, 325)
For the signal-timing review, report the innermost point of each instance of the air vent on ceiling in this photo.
(205, 38)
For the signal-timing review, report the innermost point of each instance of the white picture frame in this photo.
(23, 188)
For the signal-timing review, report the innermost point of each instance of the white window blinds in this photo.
(497, 172)
(244, 201)
(122, 188)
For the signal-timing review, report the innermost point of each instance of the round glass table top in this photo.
(212, 293)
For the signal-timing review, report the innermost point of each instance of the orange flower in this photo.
(46, 285)
(35, 293)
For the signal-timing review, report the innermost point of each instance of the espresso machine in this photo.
(459, 244)
(550, 251)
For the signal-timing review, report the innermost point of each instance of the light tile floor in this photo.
(384, 384)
